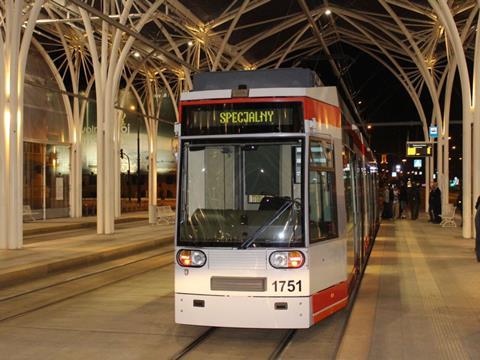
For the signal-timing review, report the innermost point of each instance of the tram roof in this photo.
(267, 78)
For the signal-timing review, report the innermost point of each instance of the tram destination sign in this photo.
(419, 149)
(237, 118)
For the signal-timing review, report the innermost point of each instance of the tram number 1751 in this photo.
(287, 285)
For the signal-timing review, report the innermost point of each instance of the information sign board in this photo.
(419, 149)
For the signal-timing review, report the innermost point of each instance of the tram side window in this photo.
(322, 200)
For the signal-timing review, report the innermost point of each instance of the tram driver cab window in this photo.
(322, 199)
(233, 191)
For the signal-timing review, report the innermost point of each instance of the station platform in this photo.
(62, 224)
(73, 243)
(419, 298)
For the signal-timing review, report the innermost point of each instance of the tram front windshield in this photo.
(242, 195)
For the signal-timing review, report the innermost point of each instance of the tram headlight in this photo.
(191, 258)
(287, 259)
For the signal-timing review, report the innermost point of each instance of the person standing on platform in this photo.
(435, 204)
(387, 206)
(396, 203)
(430, 204)
(477, 229)
(403, 196)
(414, 201)
(458, 204)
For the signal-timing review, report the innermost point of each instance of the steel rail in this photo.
(284, 342)
(204, 336)
(76, 278)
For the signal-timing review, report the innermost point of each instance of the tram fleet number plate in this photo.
(287, 285)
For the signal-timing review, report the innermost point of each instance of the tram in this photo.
(277, 201)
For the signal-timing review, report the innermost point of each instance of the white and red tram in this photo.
(276, 207)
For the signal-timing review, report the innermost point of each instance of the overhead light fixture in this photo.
(137, 54)
(328, 12)
(190, 43)
(369, 127)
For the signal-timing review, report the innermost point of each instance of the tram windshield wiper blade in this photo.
(249, 241)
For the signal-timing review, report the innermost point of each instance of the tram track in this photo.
(195, 343)
(80, 282)
(286, 340)
(206, 335)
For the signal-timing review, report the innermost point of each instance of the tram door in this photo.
(359, 210)
(349, 186)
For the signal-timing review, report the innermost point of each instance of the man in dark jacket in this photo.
(403, 197)
(435, 204)
(414, 200)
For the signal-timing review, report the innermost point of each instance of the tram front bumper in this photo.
(243, 311)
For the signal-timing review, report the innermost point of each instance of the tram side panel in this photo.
(328, 257)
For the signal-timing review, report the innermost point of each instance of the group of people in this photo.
(397, 199)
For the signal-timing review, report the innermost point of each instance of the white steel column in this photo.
(152, 106)
(428, 177)
(439, 156)
(152, 171)
(13, 56)
(476, 115)
(443, 11)
(76, 174)
(108, 69)
(117, 163)
(446, 130)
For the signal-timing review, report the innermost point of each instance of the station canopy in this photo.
(179, 38)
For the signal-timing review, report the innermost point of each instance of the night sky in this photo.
(384, 101)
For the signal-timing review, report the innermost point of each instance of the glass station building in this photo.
(47, 150)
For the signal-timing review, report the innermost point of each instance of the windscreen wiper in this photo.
(249, 241)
